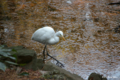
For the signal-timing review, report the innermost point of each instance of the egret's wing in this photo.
(42, 35)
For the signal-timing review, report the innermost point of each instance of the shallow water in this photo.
(91, 43)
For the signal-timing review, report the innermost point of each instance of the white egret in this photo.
(47, 36)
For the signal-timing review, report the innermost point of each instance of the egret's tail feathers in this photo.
(32, 38)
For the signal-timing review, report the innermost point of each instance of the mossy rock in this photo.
(23, 55)
(95, 76)
(60, 72)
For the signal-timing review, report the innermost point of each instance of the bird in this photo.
(47, 36)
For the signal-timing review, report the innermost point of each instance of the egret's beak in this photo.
(63, 38)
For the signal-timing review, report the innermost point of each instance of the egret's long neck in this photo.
(57, 34)
(56, 37)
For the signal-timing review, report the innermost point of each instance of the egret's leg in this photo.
(44, 53)
(58, 63)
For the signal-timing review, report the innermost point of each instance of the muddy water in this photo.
(91, 45)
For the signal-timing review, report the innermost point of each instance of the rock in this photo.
(51, 67)
(95, 76)
(51, 71)
(114, 3)
(23, 55)
(16, 47)
(117, 29)
(35, 64)
(44, 72)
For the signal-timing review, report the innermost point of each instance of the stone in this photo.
(95, 76)
(23, 55)
(51, 67)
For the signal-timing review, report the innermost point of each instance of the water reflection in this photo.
(91, 44)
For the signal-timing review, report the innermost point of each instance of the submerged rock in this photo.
(95, 76)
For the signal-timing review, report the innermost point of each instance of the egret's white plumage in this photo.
(47, 35)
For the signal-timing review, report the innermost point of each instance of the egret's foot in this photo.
(59, 64)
